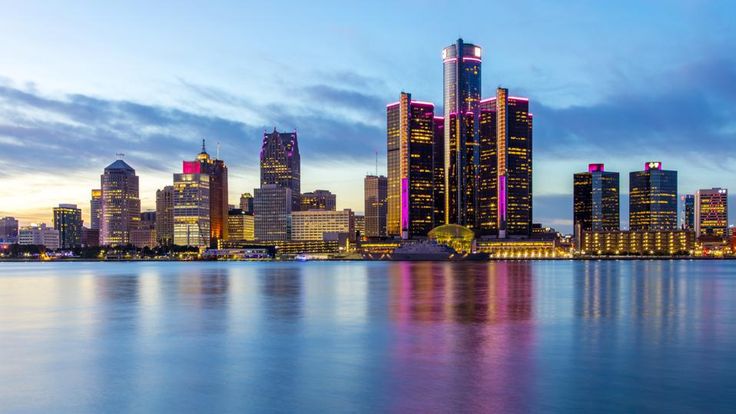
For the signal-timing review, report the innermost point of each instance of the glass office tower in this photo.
(595, 200)
(121, 205)
(653, 198)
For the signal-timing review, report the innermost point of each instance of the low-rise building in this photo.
(39, 235)
(313, 224)
(240, 225)
(639, 243)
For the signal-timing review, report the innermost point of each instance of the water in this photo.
(608, 336)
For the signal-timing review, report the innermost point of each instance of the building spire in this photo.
(203, 147)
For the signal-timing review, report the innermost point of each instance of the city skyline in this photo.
(78, 120)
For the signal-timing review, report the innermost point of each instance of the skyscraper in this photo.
(688, 212)
(165, 216)
(68, 221)
(246, 203)
(280, 163)
(375, 190)
(711, 212)
(95, 209)
(8, 230)
(192, 209)
(318, 200)
(596, 201)
(410, 155)
(462, 91)
(653, 198)
(272, 212)
(121, 207)
(218, 188)
(504, 183)
(438, 168)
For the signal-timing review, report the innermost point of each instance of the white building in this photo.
(313, 224)
(39, 235)
(192, 210)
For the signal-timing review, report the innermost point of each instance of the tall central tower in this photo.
(462, 89)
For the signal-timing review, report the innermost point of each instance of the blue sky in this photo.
(619, 83)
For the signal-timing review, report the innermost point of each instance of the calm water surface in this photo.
(609, 336)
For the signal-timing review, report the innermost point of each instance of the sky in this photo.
(619, 83)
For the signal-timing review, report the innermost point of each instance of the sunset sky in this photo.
(619, 84)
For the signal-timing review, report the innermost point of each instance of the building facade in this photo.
(192, 210)
(246, 202)
(68, 222)
(95, 209)
(281, 164)
(121, 205)
(315, 224)
(375, 190)
(165, 216)
(318, 200)
(8, 230)
(39, 235)
(241, 225)
(711, 212)
(653, 198)
(145, 234)
(645, 242)
(688, 212)
(272, 212)
(595, 200)
(216, 170)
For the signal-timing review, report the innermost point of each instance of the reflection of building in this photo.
(165, 215)
(8, 230)
(241, 225)
(318, 200)
(655, 242)
(410, 157)
(711, 212)
(95, 209)
(313, 224)
(688, 212)
(272, 210)
(375, 188)
(596, 200)
(653, 198)
(39, 236)
(68, 221)
(192, 209)
(216, 170)
(281, 165)
(121, 207)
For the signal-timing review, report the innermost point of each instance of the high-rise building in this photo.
(318, 200)
(410, 156)
(313, 224)
(504, 184)
(95, 209)
(68, 221)
(216, 170)
(165, 216)
(688, 212)
(462, 92)
(121, 207)
(595, 201)
(145, 234)
(653, 198)
(438, 171)
(39, 236)
(272, 212)
(375, 191)
(8, 230)
(280, 163)
(241, 225)
(192, 209)
(246, 203)
(711, 212)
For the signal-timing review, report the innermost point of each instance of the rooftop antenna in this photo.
(120, 155)
(203, 149)
(218, 151)
(376, 163)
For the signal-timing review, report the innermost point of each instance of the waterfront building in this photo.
(461, 98)
(688, 212)
(216, 170)
(121, 205)
(504, 187)
(8, 230)
(643, 242)
(145, 234)
(272, 212)
(318, 200)
(165, 216)
(241, 225)
(375, 191)
(595, 201)
(653, 198)
(95, 209)
(192, 209)
(246, 203)
(280, 163)
(68, 221)
(522, 248)
(410, 155)
(90, 237)
(711, 212)
(360, 226)
(315, 224)
(287, 247)
(39, 235)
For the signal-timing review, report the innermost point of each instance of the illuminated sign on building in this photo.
(653, 165)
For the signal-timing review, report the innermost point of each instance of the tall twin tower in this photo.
(471, 167)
